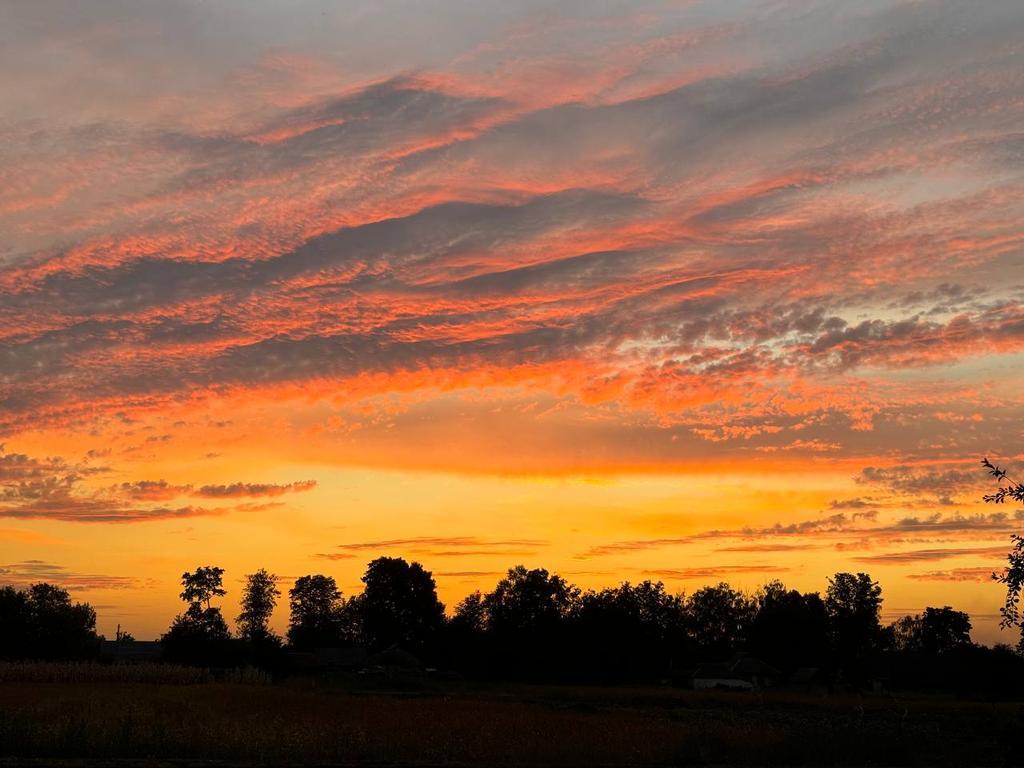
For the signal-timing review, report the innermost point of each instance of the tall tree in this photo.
(470, 617)
(199, 635)
(935, 631)
(789, 629)
(718, 617)
(42, 622)
(399, 605)
(316, 608)
(528, 621)
(15, 624)
(199, 587)
(854, 603)
(259, 598)
(529, 602)
(630, 631)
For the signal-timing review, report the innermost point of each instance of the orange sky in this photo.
(693, 291)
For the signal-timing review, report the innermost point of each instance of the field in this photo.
(162, 714)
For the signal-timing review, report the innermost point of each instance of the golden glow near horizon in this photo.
(689, 291)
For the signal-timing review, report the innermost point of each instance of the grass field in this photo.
(93, 714)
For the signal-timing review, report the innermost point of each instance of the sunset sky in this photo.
(690, 291)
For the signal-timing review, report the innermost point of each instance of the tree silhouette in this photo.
(630, 632)
(529, 602)
(470, 615)
(718, 617)
(42, 622)
(199, 635)
(527, 617)
(399, 605)
(853, 603)
(259, 598)
(1013, 576)
(789, 629)
(202, 585)
(316, 608)
(935, 631)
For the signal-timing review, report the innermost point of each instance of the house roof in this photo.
(739, 667)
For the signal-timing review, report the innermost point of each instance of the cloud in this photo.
(925, 555)
(913, 481)
(26, 572)
(713, 572)
(236, 490)
(53, 489)
(624, 227)
(417, 226)
(152, 490)
(442, 546)
(768, 547)
(864, 525)
(981, 575)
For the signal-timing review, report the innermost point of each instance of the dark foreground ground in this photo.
(88, 722)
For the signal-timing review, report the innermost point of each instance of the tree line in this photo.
(536, 626)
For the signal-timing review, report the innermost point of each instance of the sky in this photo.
(689, 291)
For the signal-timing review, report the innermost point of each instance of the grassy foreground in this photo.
(255, 722)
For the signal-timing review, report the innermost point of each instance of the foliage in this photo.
(200, 635)
(1011, 489)
(528, 602)
(259, 598)
(1013, 575)
(41, 622)
(202, 585)
(789, 629)
(319, 616)
(718, 617)
(629, 632)
(399, 605)
(935, 631)
(536, 626)
(853, 603)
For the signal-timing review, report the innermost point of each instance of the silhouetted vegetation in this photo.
(534, 626)
(41, 622)
(399, 606)
(1013, 575)
(200, 635)
(320, 618)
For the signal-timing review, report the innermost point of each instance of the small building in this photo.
(131, 651)
(339, 658)
(741, 672)
(718, 675)
(759, 673)
(326, 660)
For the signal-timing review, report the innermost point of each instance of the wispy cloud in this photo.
(957, 574)
(443, 546)
(841, 530)
(714, 571)
(53, 489)
(925, 555)
(26, 572)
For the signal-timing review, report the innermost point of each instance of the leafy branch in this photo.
(1011, 490)
(1013, 576)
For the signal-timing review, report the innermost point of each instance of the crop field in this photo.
(151, 715)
